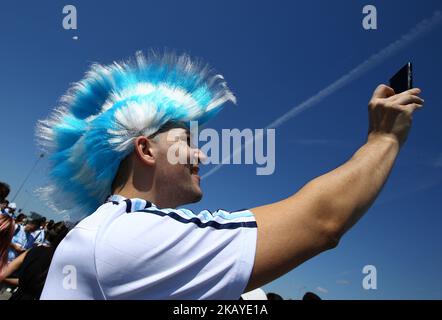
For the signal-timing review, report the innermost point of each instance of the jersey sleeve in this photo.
(177, 254)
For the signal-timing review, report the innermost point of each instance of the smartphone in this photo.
(403, 79)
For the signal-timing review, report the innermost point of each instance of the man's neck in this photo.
(131, 194)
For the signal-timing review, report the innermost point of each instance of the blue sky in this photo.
(274, 55)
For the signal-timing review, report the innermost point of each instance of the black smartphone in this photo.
(403, 79)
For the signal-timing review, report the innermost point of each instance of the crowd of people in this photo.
(26, 249)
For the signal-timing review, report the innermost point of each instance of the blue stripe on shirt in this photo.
(200, 224)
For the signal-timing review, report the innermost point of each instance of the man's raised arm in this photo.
(313, 220)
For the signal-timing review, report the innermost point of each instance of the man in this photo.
(11, 209)
(4, 191)
(114, 134)
(23, 239)
(40, 233)
(4, 207)
(8, 208)
(21, 218)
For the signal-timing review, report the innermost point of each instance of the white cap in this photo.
(257, 294)
(12, 205)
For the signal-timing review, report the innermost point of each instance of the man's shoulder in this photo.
(218, 219)
(19, 231)
(137, 216)
(103, 212)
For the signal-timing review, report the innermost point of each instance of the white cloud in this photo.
(343, 282)
(321, 289)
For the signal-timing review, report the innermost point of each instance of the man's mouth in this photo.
(194, 170)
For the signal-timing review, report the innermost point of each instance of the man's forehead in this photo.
(178, 132)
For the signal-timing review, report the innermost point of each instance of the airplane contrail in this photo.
(418, 30)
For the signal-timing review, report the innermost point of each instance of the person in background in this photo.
(310, 296)
(11, 209)
(3, 206)
(4, 191)
(39, 234)
(273, 296)
(22, 239)
(33, 265)
(21, 219)
(6, 226)
(49, 225)
(6, 233)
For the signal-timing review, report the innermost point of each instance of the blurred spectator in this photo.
(4, 191)
(39, 234)
(34, 265)
(11, 209)
(22, 239)
(273, 296)
(21, 219)
(6, 233)
(311, 296)
(49, 225)
(35, 216)
(3, 205)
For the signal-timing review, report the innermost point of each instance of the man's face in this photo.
(179, 181)
(31, 227)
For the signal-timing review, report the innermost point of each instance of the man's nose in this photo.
(199, 155)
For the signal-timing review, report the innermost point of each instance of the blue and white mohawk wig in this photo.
(93, 129)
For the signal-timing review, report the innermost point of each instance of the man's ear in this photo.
(144, 150)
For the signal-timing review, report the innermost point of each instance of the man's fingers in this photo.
(383, 91)
(411, 107)
(413, 91)
(407, 99)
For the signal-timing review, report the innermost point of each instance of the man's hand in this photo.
(314, 219)
(390, 114)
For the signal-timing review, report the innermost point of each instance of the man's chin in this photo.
(197, 197)
(195, 194)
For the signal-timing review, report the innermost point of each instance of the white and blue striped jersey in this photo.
(131, 249)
